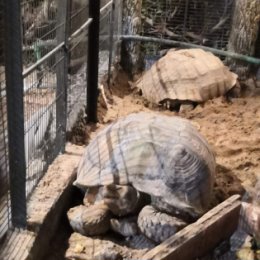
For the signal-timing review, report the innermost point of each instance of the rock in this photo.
(246, 254)
(86, 248)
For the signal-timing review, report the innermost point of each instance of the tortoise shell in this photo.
(165, 157)
(186, 75)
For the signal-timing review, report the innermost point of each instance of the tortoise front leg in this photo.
(158, 226)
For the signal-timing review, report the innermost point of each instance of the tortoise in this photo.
(186, 77)
(162, 157)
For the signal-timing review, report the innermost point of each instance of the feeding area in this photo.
(129, 129)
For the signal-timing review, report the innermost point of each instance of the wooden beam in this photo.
(199, 238)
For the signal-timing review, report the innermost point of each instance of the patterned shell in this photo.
(190, 74)
(160, 155)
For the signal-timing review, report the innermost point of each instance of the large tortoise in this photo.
(146, 153)
(187, 76)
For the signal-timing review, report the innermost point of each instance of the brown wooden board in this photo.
(199, 238)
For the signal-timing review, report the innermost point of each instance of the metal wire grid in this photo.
(78, 48)
(5, 214)
(104, 37)
(78, 14)
(116, 29)
(39, 28)
(201, 22)
(40, 83)
(41, 93)
(40, 122)
(109, 35)
(78, 53)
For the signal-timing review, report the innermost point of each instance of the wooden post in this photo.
(244, 33)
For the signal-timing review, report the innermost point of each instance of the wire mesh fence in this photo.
(40, 123)
(109, 38)
(39, 26)
(42, 25)
(205, 23)
(110, 30)
(104, 39)
(77, 52)
(50, 86)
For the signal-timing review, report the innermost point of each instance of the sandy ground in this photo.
(231, 128)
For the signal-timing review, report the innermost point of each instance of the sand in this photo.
(231, 128)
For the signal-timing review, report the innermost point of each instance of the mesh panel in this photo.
(201, 22)
(40, 99)
(39, 21)
(77, 61)
(104, 43)
(110, 30)
(42, 25)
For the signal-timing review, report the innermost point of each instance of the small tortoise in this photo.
(146, 153)
(185, 77)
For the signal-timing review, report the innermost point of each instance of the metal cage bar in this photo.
(14, 83)
(5, 216)
(93, 59)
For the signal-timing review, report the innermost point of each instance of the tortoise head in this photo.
(120, 199)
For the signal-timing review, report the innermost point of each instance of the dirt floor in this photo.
(232, 129)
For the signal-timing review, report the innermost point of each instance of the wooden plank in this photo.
(199, 238)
